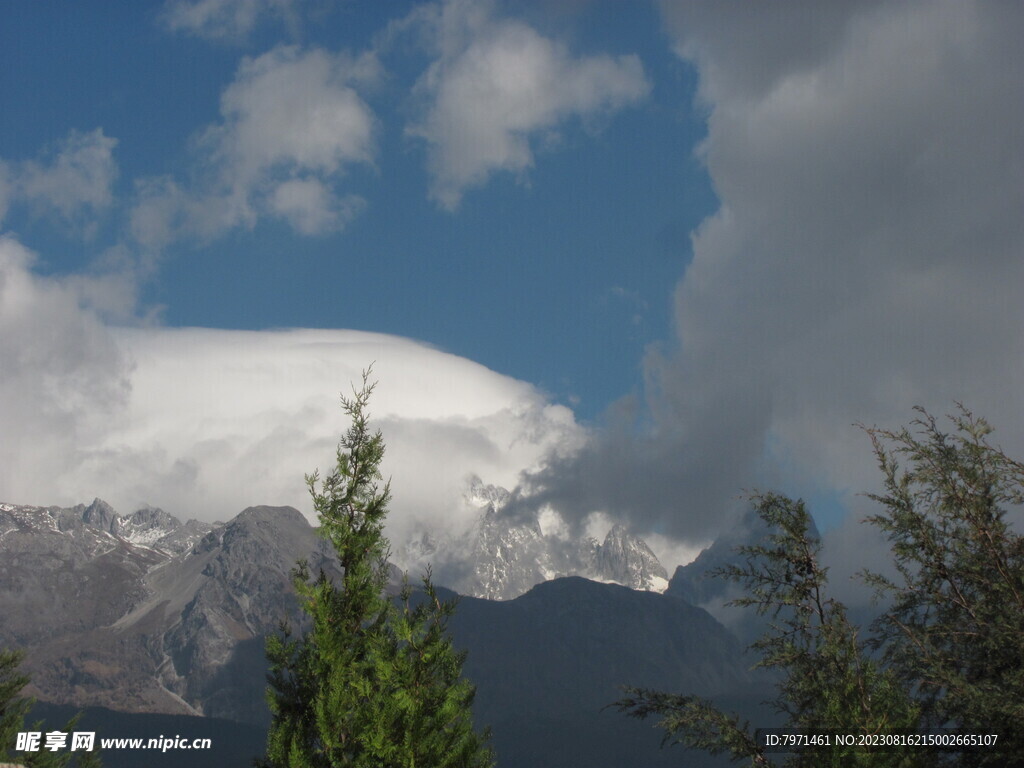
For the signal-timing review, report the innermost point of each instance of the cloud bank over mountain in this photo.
(205, 422)
(866, 256)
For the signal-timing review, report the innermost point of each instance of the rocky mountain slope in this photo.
(144, 612)
(137, 614)
(141, 613)
(65, 571)
(548, 664)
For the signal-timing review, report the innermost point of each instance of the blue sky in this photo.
(628, 259)
(558, 274)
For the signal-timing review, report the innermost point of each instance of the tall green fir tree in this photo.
(372, 683)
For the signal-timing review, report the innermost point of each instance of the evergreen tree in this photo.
(828, 682)
(14, 710)
(370, 684)
(955, 626)
(429, 704)
(951, 634)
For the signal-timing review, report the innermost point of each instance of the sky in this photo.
(629, 260)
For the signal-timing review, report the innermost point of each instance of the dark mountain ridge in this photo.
(134, 627)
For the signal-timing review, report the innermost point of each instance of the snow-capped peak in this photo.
(506, 553)
(148, 525)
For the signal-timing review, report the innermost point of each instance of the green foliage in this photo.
(955, 628)
(828, 682)
(951, 635)
(694, 722)
(13, 711)
(370, 684)
(427, 704)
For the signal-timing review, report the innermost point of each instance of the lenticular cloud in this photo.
(219, 420)
(205, 422)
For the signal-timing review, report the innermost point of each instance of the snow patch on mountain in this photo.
(152, 527)
(146, 526)
(97, 527)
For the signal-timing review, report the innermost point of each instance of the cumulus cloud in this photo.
(294, 107)
(311, 208)
(292, 124)
(497, 87)
(226, 19)
(866, 256)
(74, 181)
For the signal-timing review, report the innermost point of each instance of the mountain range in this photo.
(146, 614)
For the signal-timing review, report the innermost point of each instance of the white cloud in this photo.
(297, 109)
(866, 255)
(292, 125)
(310, 207)
(61, 374)
(226, 19)
(163, 212)
(497, 86)
(206, 422)
(6, 189)
(75, 182)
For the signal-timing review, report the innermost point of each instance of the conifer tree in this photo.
(951, 632)
(828, 684)
(14, 710)
(429, 702)
(370, 684)
(954, 629)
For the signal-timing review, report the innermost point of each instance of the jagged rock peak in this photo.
(492, 497)
(153, 527)
(150, 517)
(627, 560)
(101, 515)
